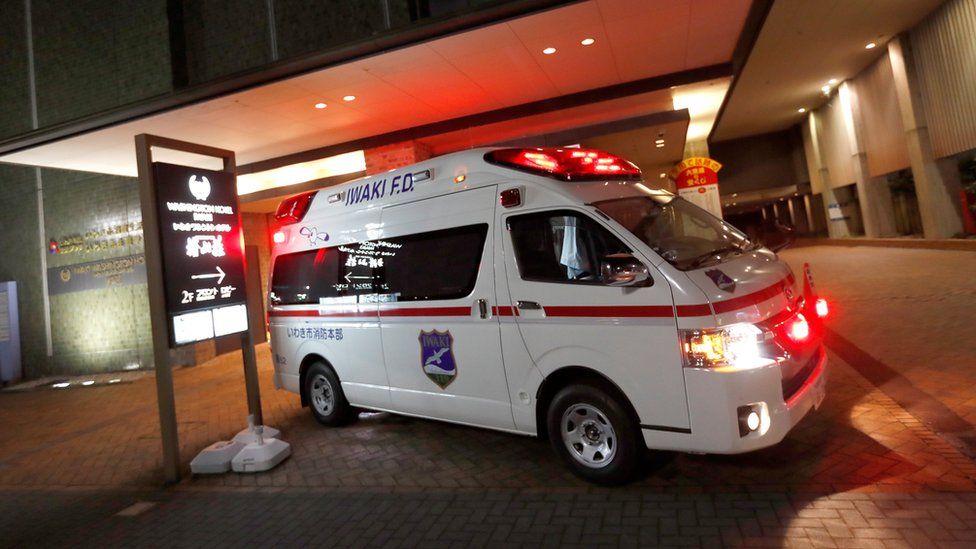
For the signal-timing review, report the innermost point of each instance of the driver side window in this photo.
(561, 246)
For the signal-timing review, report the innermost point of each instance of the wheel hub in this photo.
(588, 435)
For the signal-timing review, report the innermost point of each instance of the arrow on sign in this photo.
(219, 275)
(349, 275)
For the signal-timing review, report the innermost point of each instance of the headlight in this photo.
(737, 346)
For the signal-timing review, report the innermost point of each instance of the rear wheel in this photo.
(594, 434)
(325, 398)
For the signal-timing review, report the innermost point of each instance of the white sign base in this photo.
(261, 456)
(254, 449)
(215, 459)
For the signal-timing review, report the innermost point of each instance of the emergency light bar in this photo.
(566, 164)
(294, 208)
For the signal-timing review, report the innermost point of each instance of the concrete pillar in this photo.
(800, 219)
(782, 212)
(696, 148)
(941, 217)
(873, 193)
(835, 228)
(396, 155)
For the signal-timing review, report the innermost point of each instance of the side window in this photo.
(561, 246)
(435, 265)
(425, 266)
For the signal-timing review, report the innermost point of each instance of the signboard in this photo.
(697, 182)
(202, 252)
(97, 275)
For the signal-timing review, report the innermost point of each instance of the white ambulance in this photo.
(543, 292)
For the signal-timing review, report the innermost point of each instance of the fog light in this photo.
(752, 420)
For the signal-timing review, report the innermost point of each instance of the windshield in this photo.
(683, 234)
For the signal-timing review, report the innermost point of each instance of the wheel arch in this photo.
(569, 375)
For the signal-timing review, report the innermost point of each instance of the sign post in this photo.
(195, 269)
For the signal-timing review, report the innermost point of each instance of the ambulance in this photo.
(543, 292)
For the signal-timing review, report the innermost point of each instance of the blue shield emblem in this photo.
(437, 357)
(722, 280)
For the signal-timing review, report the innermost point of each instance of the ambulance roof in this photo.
(459, 171)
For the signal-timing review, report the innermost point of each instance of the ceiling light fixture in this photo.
(349, 98)
(832, 81)
(870, 46)
(801, 110)
(587, 41)
(549, 51)
(659, 145)
(659, 141)
(320, 105)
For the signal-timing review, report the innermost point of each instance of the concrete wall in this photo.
(92, 55)
(759, 162)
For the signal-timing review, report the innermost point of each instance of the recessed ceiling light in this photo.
(549, 51)
(801, 110)
(587, 41)
(659, 145)
(832, 81)
(870, 46)
(349, 98)
(320, 105)
(659, 141)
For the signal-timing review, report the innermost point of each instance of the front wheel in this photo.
(594, 434)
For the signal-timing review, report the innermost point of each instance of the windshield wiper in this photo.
(699, 260)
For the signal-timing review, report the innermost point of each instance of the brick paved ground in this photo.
(862, 472)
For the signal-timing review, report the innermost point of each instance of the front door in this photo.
(568, 316)
(440, 339)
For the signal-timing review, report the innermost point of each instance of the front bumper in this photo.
(715, 396)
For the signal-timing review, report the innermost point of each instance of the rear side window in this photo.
(561, 246)
(424, 266)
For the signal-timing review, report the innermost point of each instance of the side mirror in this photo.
(624, 270)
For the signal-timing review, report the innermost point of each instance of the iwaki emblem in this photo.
(722, 280)
(437, 357)
(199, 187)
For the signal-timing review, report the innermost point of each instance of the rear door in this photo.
(440, 339)
(569, 317)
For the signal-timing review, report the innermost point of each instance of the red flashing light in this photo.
(509, 198)
(799, 329)
(279, 237)
(822, 308)
(567, 164)
(294, 208)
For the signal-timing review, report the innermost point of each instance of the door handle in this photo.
(528, 305)
(483, 308)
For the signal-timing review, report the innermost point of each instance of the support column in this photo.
(800, 220)
(873, 193)
(780, 212)
(941, 217)
(835, 228)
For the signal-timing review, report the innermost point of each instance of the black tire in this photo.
(583, 412)
(324, 396)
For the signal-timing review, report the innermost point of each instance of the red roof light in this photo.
(566, 164)
(294, 208)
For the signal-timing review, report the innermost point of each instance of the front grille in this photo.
(793, 384)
